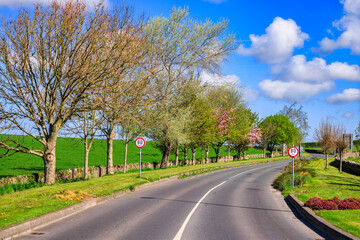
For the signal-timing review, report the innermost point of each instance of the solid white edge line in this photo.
(181, 230)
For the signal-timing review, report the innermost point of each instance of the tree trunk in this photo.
(327, 160)
(109, 162)
(264, 152)
(86, 160)
(193, 156)
(49, 158)
(165, 158)
(125, 157)
(340, 162)
(206, 154)
(177, 155)
(217, 151)
(185, 154)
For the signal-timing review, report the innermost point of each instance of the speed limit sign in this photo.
(139, 142)
(293, 152)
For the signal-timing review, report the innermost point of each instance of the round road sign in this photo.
(139, 142)
(293, 152)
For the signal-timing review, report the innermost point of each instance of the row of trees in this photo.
(64, 64)
(67, 69)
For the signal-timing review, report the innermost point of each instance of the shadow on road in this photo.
(215, 204)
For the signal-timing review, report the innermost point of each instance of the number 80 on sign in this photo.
(293, 152)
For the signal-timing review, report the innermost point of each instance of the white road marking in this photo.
(181, 230)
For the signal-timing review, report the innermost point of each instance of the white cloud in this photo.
(278, 43)
(249, 94)
(293, 91)
(299, 69)
(299, 79)
(216, 79)
(348, 115)
(27, 3)
(351, 6)
(350, 26)
(348, 95)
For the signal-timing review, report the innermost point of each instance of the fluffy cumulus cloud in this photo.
(24, 3)
(348, 95)
(350, 27)
(278, 43)
(216, 79)
(292, 91)
(299, 69)
(299, 79)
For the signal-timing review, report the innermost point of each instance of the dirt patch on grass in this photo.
(74, 195)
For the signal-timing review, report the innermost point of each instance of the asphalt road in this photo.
(228, 204)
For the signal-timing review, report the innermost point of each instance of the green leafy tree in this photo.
(300, 120)
(277, 129)
(243, 126)
(202, 125)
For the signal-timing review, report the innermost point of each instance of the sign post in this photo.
(140, 143)
(293, 152)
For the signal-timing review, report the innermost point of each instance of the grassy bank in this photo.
(21, 206)
(70, 154)
(325, 184)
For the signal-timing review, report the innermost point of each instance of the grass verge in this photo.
(325, 184)
(20, 206)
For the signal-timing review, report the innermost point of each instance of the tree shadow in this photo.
(216, 204)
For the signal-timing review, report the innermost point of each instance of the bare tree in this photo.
(84, 125)
(340, 143)
(49, 60)
(128, 86)
(129, 130)
(325, 136)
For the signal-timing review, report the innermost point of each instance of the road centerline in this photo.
(181, 230)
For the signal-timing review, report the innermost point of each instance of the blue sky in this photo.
(299, 50)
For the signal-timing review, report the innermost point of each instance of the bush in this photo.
(350, 203)
(301, 175)
(332, 204)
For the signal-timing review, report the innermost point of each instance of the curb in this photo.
(318, 222)
(30, 225)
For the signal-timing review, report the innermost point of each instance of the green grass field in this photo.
(326, 184)
(69, 154)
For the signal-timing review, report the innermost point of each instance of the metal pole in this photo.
(293, 172)
(140, 165)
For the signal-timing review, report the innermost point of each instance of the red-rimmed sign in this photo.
(293, 152)
(140, 142)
